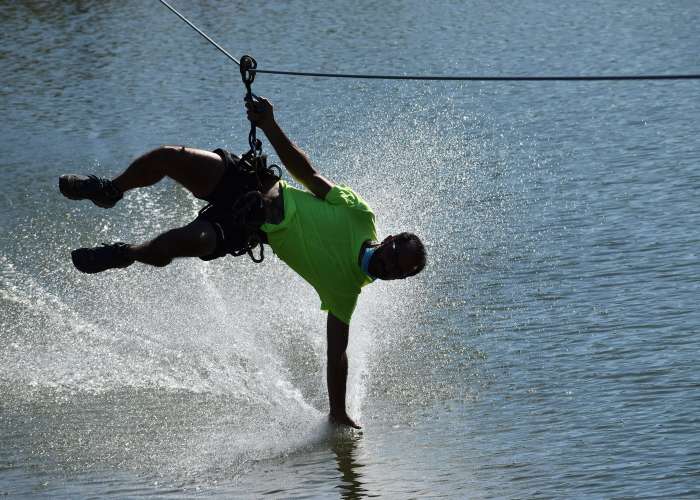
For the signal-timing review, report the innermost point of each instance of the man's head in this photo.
(398, 257)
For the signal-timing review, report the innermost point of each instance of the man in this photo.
(327, 236)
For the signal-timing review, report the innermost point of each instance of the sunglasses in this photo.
(391, 262)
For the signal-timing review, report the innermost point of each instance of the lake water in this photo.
(549, 349)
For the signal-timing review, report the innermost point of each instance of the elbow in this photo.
(307, 175)
(335, 350)
(336, 347)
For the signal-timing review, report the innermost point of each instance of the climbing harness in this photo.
(249, 209)
(247, 212)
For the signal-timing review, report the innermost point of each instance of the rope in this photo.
(200, 32)
(482, 78)
(436, 77)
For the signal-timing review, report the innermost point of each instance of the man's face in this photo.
(393, 259)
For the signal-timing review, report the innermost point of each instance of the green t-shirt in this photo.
(321, 241)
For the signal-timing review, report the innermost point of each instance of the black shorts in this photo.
(231, 237)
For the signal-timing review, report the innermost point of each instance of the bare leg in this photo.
(197, 170)
(196, 239)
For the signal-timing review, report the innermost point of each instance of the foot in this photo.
(98, 259)
(102, 192)
(343, 420)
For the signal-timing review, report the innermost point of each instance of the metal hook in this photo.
(248, 64)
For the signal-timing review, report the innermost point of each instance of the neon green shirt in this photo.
(321, 241)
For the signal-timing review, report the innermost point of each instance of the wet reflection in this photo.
(344, 445)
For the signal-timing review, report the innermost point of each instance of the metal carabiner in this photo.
(246, 65)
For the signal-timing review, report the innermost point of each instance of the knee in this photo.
(166, 155)
(172, 151)
(336, 352)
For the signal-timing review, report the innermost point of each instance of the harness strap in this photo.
(249, 213)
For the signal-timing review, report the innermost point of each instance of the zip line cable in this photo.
(483, 78)
(435, 77)
(191, 25)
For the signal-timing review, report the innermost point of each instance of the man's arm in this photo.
(296, 161)
(337, 370)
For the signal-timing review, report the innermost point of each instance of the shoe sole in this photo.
(90, 268)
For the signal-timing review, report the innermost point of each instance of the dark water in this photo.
(548, 350)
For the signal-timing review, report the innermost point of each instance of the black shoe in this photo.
(98, 259)
(102, 192)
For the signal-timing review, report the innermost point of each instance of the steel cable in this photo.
(523, 78)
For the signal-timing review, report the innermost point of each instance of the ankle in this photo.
(130, 251)
(146, 254)
(118, 187)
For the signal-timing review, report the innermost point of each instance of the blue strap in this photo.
(364, 262)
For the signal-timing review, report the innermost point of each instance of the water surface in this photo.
(548, 350)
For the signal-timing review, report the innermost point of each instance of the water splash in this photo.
(205, 367)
